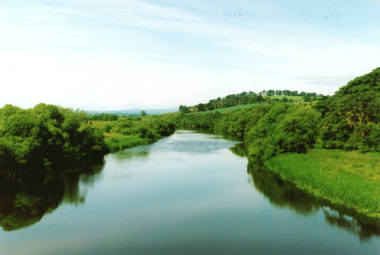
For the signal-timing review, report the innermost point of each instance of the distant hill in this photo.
(135, 111)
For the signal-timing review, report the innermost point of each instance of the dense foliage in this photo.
(351, 117)
(42, 142)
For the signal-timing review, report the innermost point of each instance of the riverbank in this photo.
(349, 179)
(131, 132)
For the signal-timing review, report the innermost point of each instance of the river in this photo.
(186, 194)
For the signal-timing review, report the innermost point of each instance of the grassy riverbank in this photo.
(116, 142)
(131, 132)
(349, 179)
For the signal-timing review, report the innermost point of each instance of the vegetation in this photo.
(247, 98)
(103, 116)
(43, 150)
(130, 132)
(48, 141)
(43, 142)
(351, 117)
(278, 133)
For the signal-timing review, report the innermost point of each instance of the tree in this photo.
(42, 142)
(351, 117)
(143, 113)
(184, 109)
(201, 107)
(307, 98)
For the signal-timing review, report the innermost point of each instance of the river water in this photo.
(186, 194)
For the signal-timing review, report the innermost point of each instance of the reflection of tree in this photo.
(284, 194)
(239, 150)
(24, 204)
(279, 192)
(364, 230)
(22, 207)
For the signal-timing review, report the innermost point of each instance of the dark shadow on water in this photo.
(280, 193)
(24, 204)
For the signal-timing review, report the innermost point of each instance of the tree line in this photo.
(103, 116)
(250, 97)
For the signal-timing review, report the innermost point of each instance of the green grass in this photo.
(348, 179)
(118, 142)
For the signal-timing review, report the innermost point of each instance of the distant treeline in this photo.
(103, 116)
(245, 98)
(348, 120)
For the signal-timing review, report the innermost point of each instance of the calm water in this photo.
(186, 194)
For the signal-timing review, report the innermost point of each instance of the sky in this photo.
(116, 55)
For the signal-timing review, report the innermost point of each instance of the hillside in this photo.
(135, 111)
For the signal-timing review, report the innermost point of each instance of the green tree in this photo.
(352, 115)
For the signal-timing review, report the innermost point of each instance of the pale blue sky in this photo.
(113, 55)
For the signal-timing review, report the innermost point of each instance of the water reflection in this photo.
(239, 150)
(137, 152)
(202, 143)
(365, 231)
(284, 194)
(22, 205)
